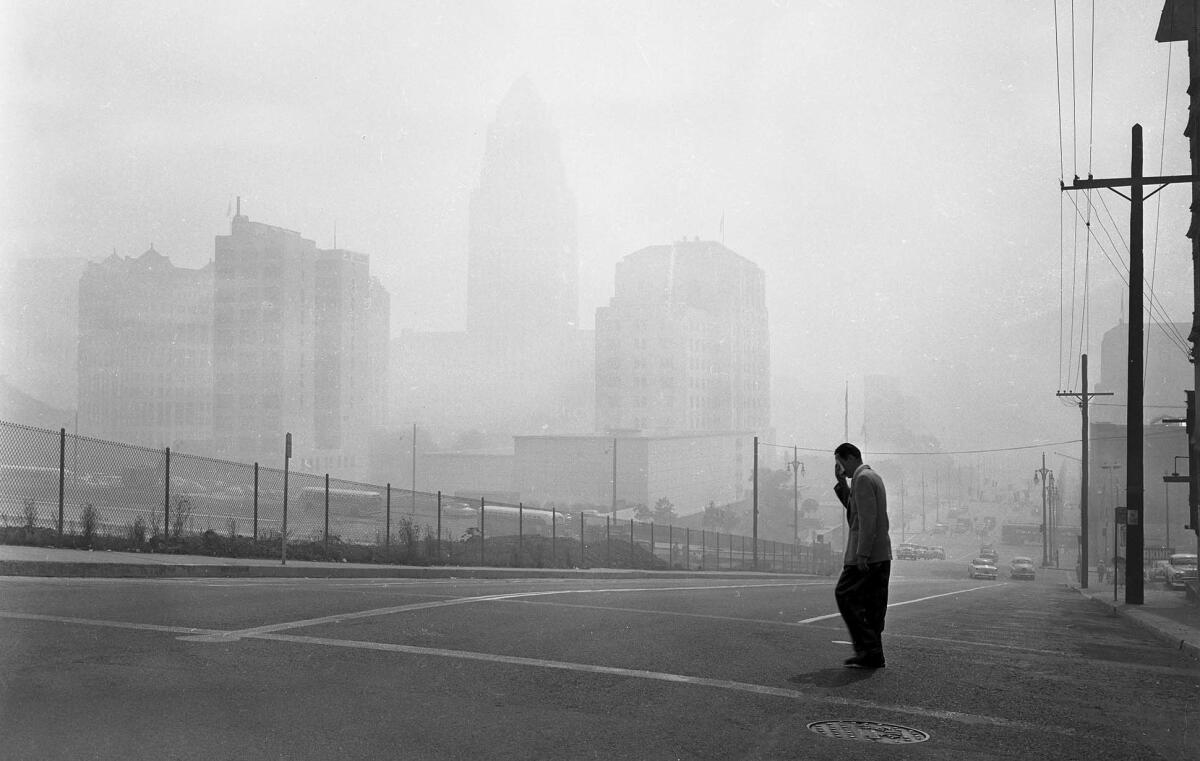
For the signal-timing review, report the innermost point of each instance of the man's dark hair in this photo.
(847, 451)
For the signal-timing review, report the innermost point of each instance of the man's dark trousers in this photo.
(862, 600)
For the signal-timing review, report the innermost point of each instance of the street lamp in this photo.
(1046, 477)
(796, 467)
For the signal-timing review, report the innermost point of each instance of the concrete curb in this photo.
(1179, 637)
(300, 570)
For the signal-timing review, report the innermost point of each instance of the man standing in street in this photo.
(862, 589)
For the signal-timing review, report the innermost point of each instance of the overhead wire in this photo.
(1122, 271)
(1061, 208)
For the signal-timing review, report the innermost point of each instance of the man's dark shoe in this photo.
(866, 661)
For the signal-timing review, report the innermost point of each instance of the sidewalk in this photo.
(46, 561)
(1173, 616)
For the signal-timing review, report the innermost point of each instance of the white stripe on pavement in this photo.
(906, 602)
(746, 687)
(339, 617)
(111, 624)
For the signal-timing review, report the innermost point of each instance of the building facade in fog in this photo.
(39, 328)
(522, 365)
(523, 263)
(1167, 373)
(683, 345)
(689, 470)
(145, 351)
(293, 327)
(890, 416)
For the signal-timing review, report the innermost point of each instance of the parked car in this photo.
(939, 528)
(1181, 567)
(937, 553)
(1021, 568)
(981, 568)
(906, 551)
(1157, 571)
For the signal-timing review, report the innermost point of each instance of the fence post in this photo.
(167, 494)
(62, 476)
(670, 546)
(631, 544)
(582, 546)
(439, 525)
(653, 554)
(521, 531)
(687, 548)
(287, 463)
(608, 540)
(482, 526)
(387, 520)
(256, 501)
(326, 515)
(553, 537)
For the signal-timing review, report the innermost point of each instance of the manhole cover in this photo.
(869, 731)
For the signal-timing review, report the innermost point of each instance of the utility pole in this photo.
(614, 480)
(755, 500)
(922, 501)
(1084, 540)
(1180, 21)
(1135, 493)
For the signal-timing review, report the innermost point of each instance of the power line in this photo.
(1153, 306)
(1040, 445)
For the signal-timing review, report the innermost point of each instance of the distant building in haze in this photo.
(145, 351)
(1167, 373)
(523, 264)
(522, 365)
(39, 328)
(683, 345)
(294, 326)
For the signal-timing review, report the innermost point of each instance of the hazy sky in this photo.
(892, 166)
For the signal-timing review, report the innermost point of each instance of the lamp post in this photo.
(797, 468)
(1046, 477)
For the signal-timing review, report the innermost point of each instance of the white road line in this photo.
(906, 602)
(339, 617)
(111, 624)
(746, 687)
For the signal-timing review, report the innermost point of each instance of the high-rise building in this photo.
(683, 344)
(523, 264)
(145, 351)
(1167, 372)
(295, 327)
(522, 365)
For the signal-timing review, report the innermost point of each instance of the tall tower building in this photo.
(298, 333)
(145, 351)
(523, 264)
(683, 344)
(264, 331)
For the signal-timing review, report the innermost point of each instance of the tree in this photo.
(664, 511)
(719, 518)
(642, 513)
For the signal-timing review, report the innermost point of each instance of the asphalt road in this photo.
(570, 669)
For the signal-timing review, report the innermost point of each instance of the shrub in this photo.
(87, 523)
(137, 532)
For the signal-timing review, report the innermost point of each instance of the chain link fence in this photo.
(65, 489)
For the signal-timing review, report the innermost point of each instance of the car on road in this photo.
(1157, 571)
(981, 568)
(989, 552)
(937, 553)
(939, 528)
(1021, 568)
(1181, 567)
